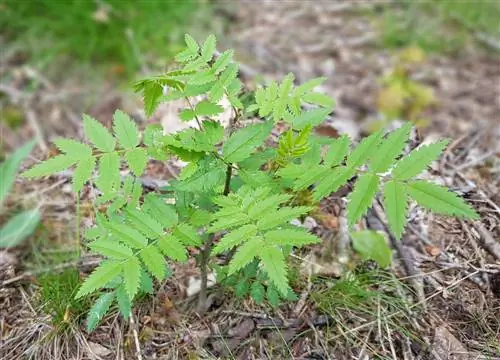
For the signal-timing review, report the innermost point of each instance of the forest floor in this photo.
(441, 297)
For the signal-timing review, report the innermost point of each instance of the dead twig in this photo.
(133, 326)
(487, 240)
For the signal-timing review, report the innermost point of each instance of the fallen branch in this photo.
(487, 240)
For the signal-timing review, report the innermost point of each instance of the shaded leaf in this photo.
(98, 310)
(245, 141)
(102, 275)
(372, 245)
(137, 160)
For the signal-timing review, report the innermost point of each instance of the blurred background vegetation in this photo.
(60, 58)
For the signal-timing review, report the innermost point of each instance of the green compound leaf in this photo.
(124, 303)
(137, 160)
(246, 253)
(109, 172)
(261, 208)
(131, 276)
(222, 61)
(439, 199)
(319, 99)
(338, 177)
(418, 160)
(106, 272)
(111, 249)
(159, 211)
(245, 141)
(154, 261)
(127, 235)
(291, 237)
(373, 246)
(146, 283)
(173, 248)
(50, 166)
(235, 238)
(98, 310)
(257, 292)
(191, 43)
(208, 176)
(308, 86)
(390, 149)
(283, 215)
(362, 197)
(337, 151)
(152, 93)
(188, 235)
(98, 134)
(365, 150)
(228, 222)
(125, 130)
(208, 48)
(273, 263)
(396, 206)
(143, 222)
(207, 108)
(83, 173)
(73, 148)
(312, 175)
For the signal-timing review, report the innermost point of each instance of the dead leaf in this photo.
(432, 250)
(329, 221)
(243, 329)
(98, 350)
(447, 346)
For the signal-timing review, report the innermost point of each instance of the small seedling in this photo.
(234, 184)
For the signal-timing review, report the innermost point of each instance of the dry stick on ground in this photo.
(487, 239)
(133, 326)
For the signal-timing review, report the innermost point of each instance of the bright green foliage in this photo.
(245, 141)
(362, 197)
(233, 184)
(439, 199)
(125, 130)
(418, 160)
(98, 135)
(262, 231)
(390, 148)
(283, 102)
(396, 206)
(100, 308)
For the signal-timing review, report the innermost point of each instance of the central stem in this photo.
(205, 253)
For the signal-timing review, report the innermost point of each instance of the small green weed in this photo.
(57, 295)
(363, 296)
